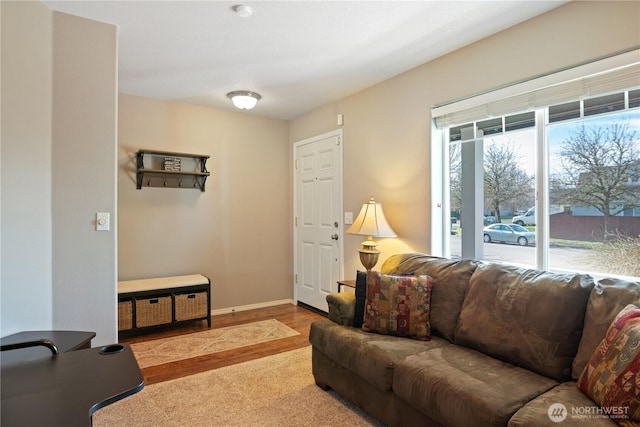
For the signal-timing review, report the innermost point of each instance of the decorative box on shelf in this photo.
(173, 164)
(125, 315)
(192, 305)
(153, 311)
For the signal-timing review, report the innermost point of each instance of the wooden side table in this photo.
(349, 283)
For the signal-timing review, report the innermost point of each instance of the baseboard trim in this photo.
(251, 306)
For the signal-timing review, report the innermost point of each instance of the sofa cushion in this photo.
(458, 386)
(371, 356)
(577, 410)
(450, 284)
(398, 305)
(607, 298)
(526, 317)
(612, 376)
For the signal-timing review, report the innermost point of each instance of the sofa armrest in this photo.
(342, 307)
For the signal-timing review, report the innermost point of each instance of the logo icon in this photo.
(557, 412)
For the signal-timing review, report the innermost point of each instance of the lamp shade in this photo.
(371, 222)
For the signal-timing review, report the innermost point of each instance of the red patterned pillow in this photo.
(398, 305)
(612, 376)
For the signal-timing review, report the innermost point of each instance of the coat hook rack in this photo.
(163, 175)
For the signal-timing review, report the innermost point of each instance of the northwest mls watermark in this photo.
(558, 412)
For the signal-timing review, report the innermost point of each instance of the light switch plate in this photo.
(348, 217)
(102, 221)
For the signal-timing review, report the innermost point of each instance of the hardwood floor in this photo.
(296, 317)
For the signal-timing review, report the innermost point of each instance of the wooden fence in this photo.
(591, 228)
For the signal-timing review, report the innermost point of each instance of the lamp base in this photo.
(369, 258)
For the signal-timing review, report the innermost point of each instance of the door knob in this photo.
(334, 237)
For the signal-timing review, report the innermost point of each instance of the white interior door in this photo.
(317, 218)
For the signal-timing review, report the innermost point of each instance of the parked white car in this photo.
(527, 219)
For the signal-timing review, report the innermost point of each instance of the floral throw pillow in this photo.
(612, 376)
(398, 305)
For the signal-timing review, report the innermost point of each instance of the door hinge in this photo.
(296, 221)
(339, 140)
(296, 278)
(296, 164)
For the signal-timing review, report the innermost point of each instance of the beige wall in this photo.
(84, 133)
(59, 93)
(238, 232)
(25, 165)
(387, 127)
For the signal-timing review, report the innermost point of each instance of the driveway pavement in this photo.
(559, 258)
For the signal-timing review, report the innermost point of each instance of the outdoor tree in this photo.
(601, 168)
(504, 177)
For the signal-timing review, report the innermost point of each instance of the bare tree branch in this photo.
(504, 177)
(600, 165)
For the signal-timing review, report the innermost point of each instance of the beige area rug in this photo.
(274, 391)
(166, 350)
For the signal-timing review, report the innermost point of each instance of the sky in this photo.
(562, 131)
(524, 141)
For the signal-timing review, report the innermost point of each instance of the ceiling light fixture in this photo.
(243, 11)
(244, 99)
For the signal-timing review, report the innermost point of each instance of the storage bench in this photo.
(163, 300)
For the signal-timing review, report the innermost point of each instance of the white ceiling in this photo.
(298, 55)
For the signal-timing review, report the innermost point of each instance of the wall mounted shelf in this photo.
(171, 169)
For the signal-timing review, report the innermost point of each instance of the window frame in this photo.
(442, 141)
(600, 76)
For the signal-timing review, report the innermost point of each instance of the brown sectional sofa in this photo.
(506, 343)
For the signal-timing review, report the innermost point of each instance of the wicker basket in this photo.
(125, 315)
(191, 306)
(153, 311)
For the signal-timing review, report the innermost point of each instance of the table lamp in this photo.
(372, 223)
